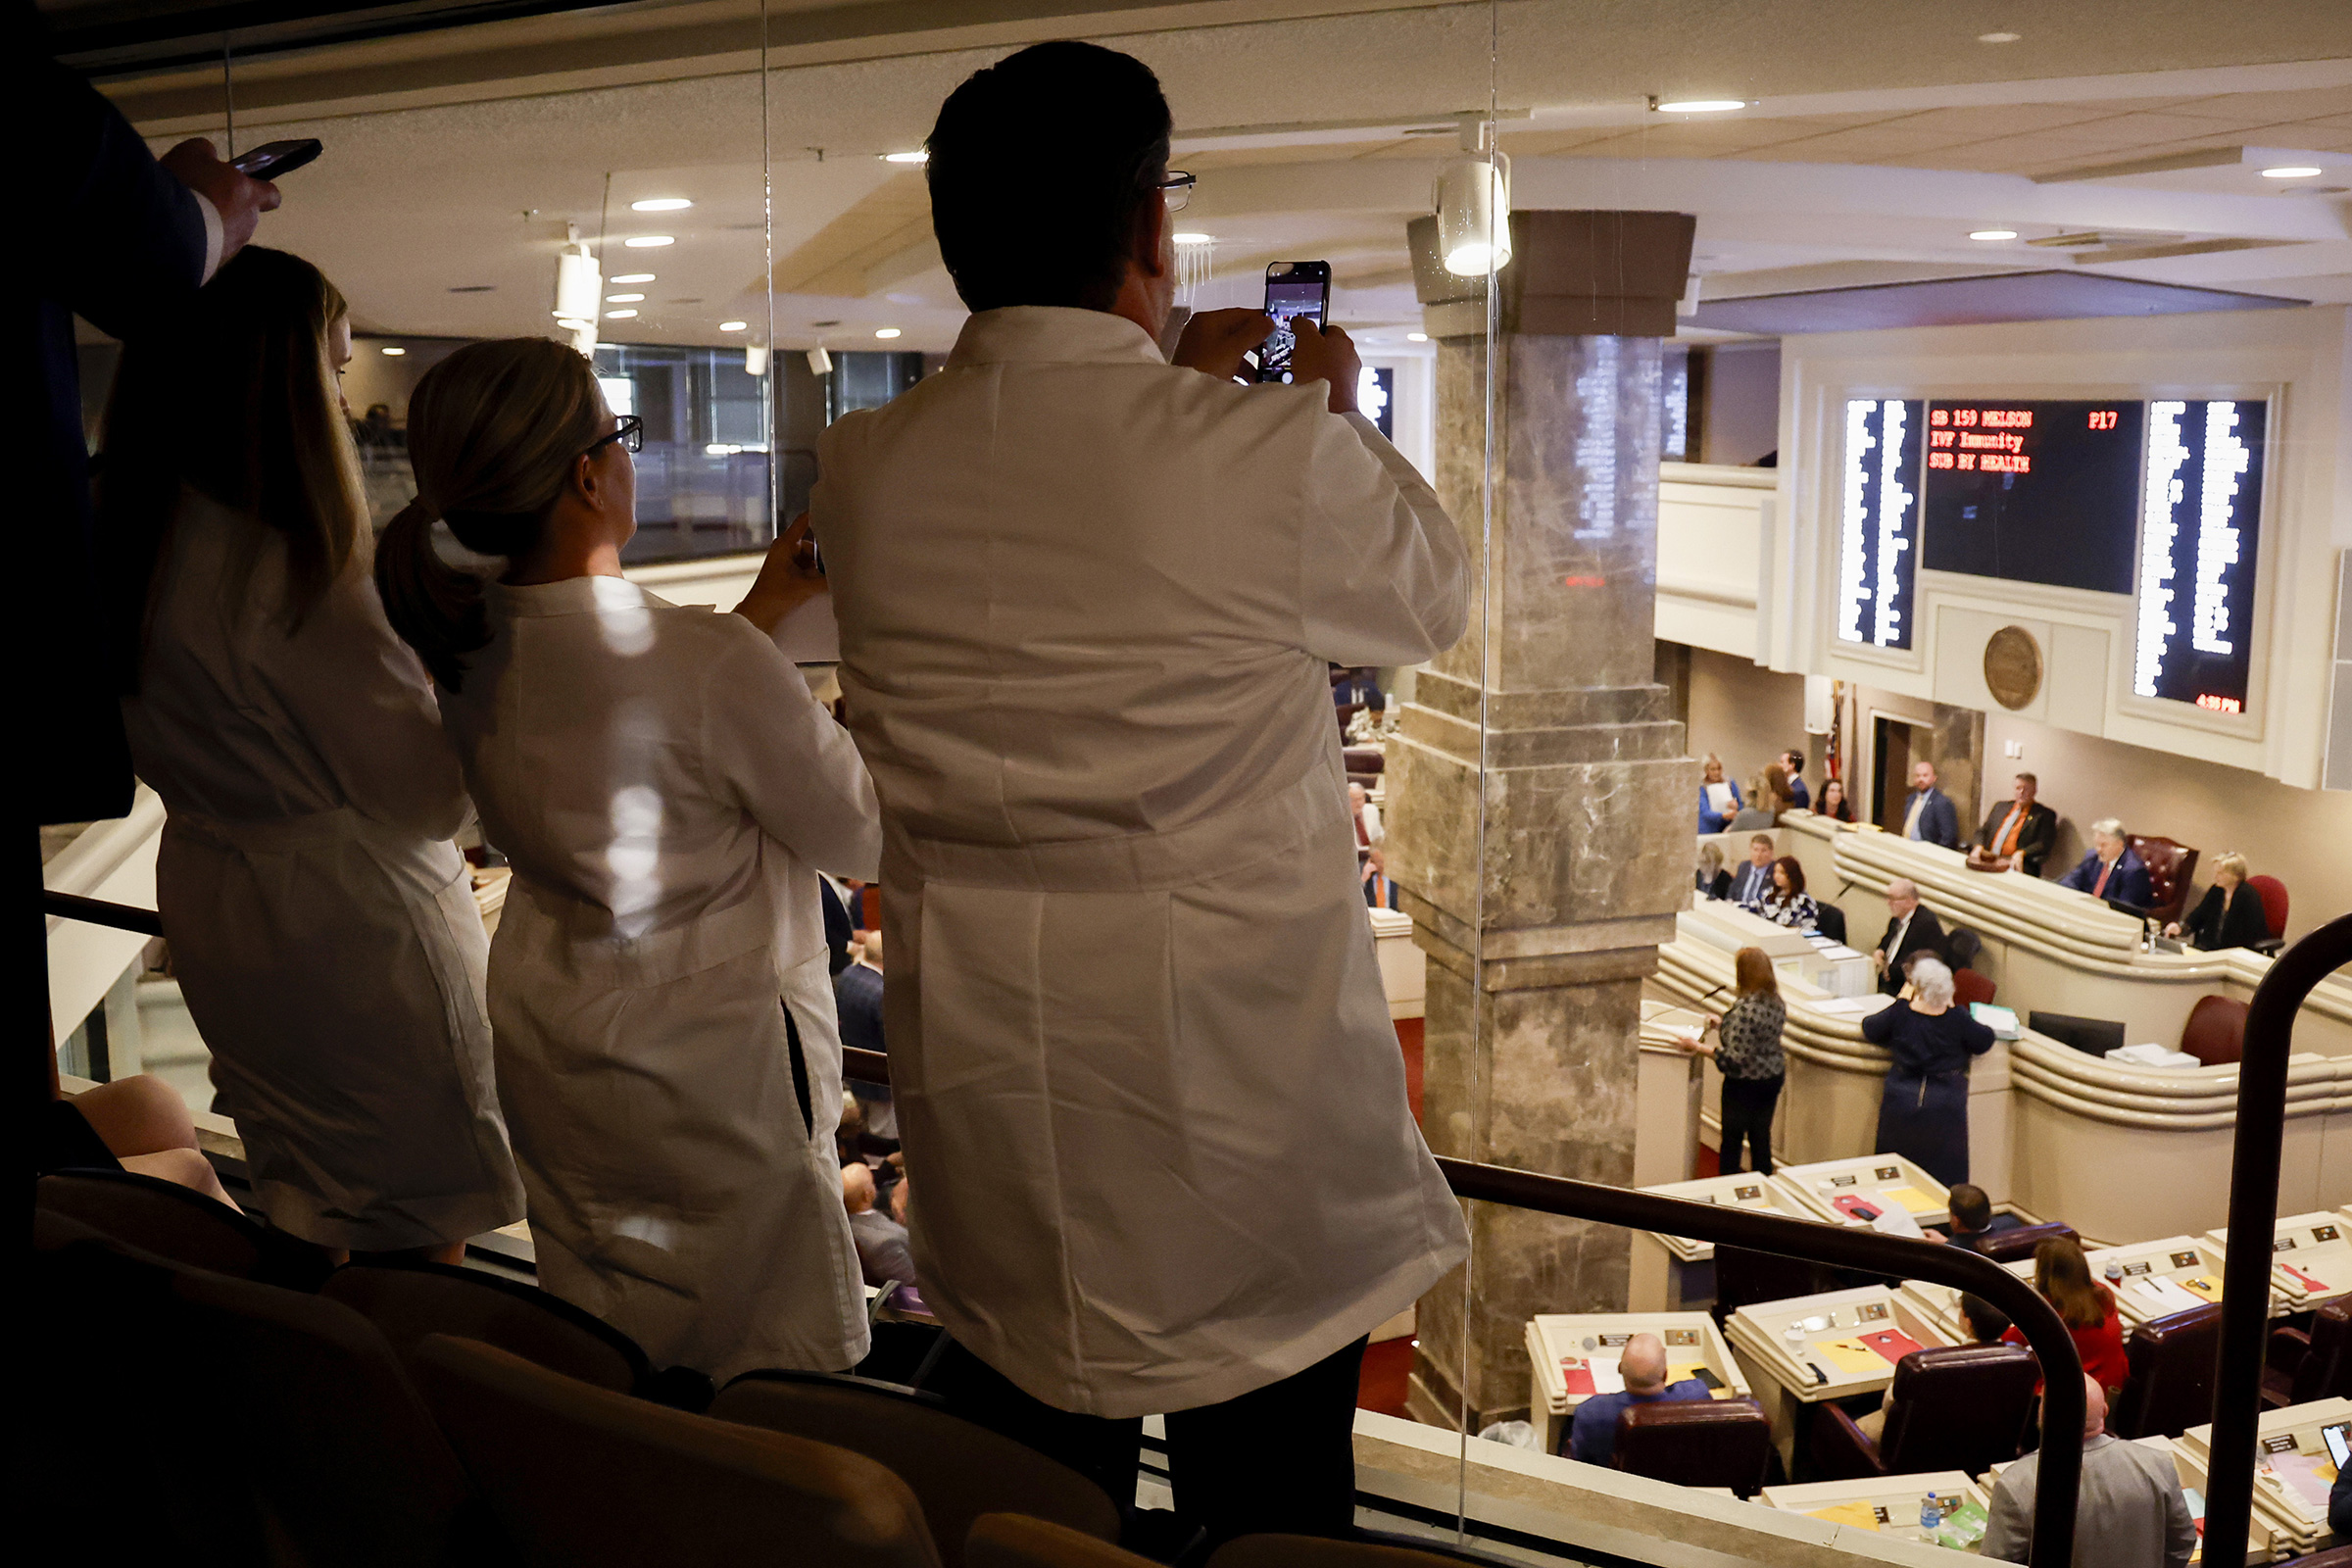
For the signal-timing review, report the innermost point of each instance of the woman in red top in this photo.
(2063, 1276)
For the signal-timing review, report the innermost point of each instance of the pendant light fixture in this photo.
(1473, 201)
(579, 290)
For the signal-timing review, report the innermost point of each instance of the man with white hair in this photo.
(2111, 871)
(1910, 928)
(1923, 1112)
(2129, 1513)
(1593, 1434)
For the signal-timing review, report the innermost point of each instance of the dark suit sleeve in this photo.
(1940, 822)
(2037, 838)
(123, 242)
(2139, 889)
(2204, 922)
(2245, 921)
(2084, 873)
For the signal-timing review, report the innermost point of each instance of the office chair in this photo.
(2273, 912)
(2310, 1365)
(2171, 1383)
(2216, 1031)
(2172, 866)
(1696, 1443)
(2018, 1241)
(1955, 1407)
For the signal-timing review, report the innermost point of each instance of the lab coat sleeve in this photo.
(366, 708)
(783, 758)
(1384, 578)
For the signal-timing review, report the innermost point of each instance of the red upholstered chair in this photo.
(2170, 1387)
(2308, 1366)
(2274, 910)
(2019, 1242)
(1956, 1407)
(2171, 866)
(2216, 1031)
(1968, 987)
(1696, 1443)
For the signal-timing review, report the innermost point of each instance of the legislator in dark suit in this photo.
(2124, 880)
(1903, 939)
(114, 239)
(1930, 816)
(2240, 922)
(2030, 832)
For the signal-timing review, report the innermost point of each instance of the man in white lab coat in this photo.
(1143, 1063)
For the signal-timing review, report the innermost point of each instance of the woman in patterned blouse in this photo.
(1788, 904)
(1748, 1051)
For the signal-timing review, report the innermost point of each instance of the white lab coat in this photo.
(663, 783)
(322, 923)
(1152, 1104)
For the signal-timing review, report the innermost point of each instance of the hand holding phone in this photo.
(235, 195)
(275, 158)
(1294, 290)
(1327, 355)
(1214, 342)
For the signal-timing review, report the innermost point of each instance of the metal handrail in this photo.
(1809, 1241)
(2253, 1220)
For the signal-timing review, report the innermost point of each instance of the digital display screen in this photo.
(1286, 298)
(2034, 492)
(2157, 498)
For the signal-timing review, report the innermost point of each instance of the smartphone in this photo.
(1293, 289)
(2339, 1451)
(272, 159)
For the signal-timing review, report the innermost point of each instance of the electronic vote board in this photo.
(1888, 1506)
(1860, 1190)
(2311, 1257)
(1573, 1356)
(2295, 1462)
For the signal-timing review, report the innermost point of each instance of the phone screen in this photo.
(2339, 1451)
(1286, 298)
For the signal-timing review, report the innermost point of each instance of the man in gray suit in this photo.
(2130, 1513)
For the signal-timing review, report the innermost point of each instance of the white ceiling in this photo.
(1881, 135)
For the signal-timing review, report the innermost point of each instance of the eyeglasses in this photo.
(1177, 189)
(630, 429)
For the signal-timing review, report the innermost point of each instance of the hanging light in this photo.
(1195, 258)
(819, 361)
(755, 359)
(1473, 199)
(579, 280)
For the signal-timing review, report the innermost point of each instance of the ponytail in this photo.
(435, 608)
(493, 433)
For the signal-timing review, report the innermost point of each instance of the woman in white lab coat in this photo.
(666, 790)
(322, 923)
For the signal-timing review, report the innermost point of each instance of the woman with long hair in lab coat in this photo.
(323, 924)
(666, 790)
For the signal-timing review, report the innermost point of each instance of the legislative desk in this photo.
(2293, 1472)
(1834, 1345)
(2191, 1474)
(1888, 1506)
(1860, 1190)
(1940, 1305)
(2173, 1274)
(2120, 1153)
(1659, 1261)
(2311, 1258)
(1573, 1356)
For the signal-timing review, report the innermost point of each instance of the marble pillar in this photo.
(1540, 801)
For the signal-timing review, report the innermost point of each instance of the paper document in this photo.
(1860, 1514)
(2002, 1021)
(1852, 1357)
(2304, 1477)
(2158, 1296)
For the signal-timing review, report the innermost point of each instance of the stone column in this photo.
(1548, 712)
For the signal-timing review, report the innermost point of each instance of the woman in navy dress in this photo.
(1923, 1112)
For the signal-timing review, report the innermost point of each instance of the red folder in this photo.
(1576, 1375)
(1892, 1343)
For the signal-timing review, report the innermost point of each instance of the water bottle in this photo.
(1931, 1515)
(2114, 1275)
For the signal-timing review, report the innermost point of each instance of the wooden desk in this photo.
(1782, 1344)
(1888, 1506)
(1590, 1342)
(1659, 1260)
(2290, 1487)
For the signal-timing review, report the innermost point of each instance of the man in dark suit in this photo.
(2111, 871)
(2020, 832)
(1794, 762)
(1754, 879)
(1911, 926)
(124, 242)
(1929, 814)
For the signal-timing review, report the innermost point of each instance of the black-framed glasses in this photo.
(630, 429)
(1177, 189)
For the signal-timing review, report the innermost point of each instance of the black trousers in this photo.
(1278, 1458)
(1748, 1106)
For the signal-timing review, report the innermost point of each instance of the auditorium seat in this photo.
(1955, 1407)
(1744, 1278)
(181, 1226)
(1014, 1540)
(1363, 760)
(2018, 1241)
(410, 1301)
(2272, 893)
(959, 1470)
(1696, 1443)
(236, 1422)
(2309, 1365)
(1319, 1552)
(2216, 1031)
(583, 1477)
(2171, 868)
(2171, 1385)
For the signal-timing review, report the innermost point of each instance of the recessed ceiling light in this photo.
(1195, 239)
(634, 277)
(623, 299)
(733, 327)
(2291, 172)
(1700, 106)
(394, 350)
(572, 324)
(1998, 37)
(646, 242)
(1416, 337)
(660, 204)
(618, 316)
(886, 331)
(1992, 233)
(918, 156)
